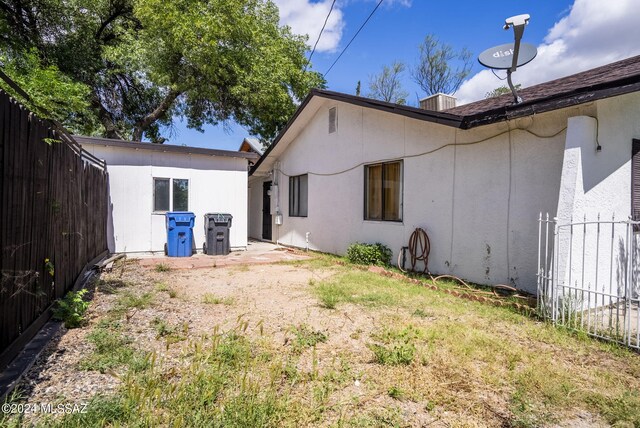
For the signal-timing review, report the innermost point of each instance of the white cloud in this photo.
(594, 33)
(307, 17)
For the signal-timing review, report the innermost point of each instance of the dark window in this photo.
(635, 183)
(298, 195)
(180, 195)
(383, 191)
(165, 200)
(161, 194)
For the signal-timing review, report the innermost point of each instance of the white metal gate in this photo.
(588, 277)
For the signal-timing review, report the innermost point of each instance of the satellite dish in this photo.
(501, 57)
(511, 55)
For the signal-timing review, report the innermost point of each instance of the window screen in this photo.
(180, 195)
(161, 194)
(298, 195)
(383, 191)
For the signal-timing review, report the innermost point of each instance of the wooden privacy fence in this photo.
(53, 220)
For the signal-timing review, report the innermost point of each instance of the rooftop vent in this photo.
(438, 102)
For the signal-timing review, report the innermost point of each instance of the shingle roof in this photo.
(611, 80)
(587, 80)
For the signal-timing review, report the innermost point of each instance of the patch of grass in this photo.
(357, 287)
(170, 333)
(212, 299)
(620, 410)
(420, 313)
(173, 293)
(396, 393)
(306, 337)
(162, 286)
(393, 355)
(112, 349)
(162, 267)
(130, 300)
(397, 346)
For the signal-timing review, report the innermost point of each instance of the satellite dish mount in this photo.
(510, 56)
(518, 23)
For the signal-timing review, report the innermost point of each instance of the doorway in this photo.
(266, 210)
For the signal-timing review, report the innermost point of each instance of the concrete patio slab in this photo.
(258, 252)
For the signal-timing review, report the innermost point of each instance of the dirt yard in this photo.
(315, 343)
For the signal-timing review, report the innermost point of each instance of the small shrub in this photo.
(400, 354)
(71, 309)
(161, 267)
(369, 254)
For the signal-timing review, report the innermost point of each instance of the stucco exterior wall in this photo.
(597, 184)
(477, 193)
(216, 184)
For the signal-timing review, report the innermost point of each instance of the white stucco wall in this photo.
(597, 184)
(216, 184)
(478, 202)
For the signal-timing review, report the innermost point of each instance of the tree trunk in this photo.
(142, 124)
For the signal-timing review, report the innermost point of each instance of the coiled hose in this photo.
(419, 249)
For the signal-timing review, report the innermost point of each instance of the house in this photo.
(251, 145)
(147, 180)
(476, 177)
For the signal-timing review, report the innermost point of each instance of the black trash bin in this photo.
(216, 229)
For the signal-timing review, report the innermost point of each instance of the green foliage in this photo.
(501, 90)
(397, 346)
(71, 309)
(53, 94)
(112, 349)
(387, 85)
(369, 254)
(306, 337)
(145, 62)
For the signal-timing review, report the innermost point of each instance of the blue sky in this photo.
(571, 35)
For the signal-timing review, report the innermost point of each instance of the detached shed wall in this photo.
(216, 184)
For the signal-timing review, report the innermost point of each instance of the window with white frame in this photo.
(170, 194)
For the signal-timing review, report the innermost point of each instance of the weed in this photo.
(212, 299)
(172, 293)
(170, 333)
(420, 313)
(395, 355)
(71, 309)
(161, 267)
(162, 286)
(130, 300)
(112, 349)
(305, 337)
(396, 393)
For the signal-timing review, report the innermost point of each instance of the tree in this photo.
(358, 89)
(434, 72)
(148, 61)
(386, 85)
(501, 90)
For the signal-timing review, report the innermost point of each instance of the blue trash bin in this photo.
(179, 234)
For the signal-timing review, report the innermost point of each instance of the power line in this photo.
(355, 35)
(320, 35)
